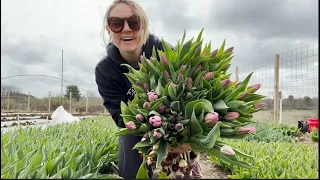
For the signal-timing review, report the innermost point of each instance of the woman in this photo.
(127, 26)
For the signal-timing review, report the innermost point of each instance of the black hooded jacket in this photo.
(113, 85)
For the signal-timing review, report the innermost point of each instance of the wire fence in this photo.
(297, 82)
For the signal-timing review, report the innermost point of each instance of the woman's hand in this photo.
(181, 149)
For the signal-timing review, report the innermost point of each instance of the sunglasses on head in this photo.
(116, 24)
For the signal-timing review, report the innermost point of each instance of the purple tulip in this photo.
(212, 118)
(238, 84)
(152, 96)
(242, 95)
(214, 53)
(163, 60)
(189, 83)
(228, 50)
(231, 116)
(146, 106)
(139, 117)
(130, 125)
(155, 121)
(166, 75)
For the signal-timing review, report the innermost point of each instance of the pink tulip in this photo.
(163, 60)
(146, 135)
(238, 84)
(139, 117)
(189, 83)
(246, 130)
(155, 121)
(130, 125)
(157, 134)
(259, 105)
(231, 116)
(214, 53)
(161, 109)
(208, 76)
(178, 126)
(146, 106)
(146, 86)
(212, 118)
(228, 50)
(227, 150)
(152, 96)
(254, 88)
(225, 83)
(242, 95)
(166, 75)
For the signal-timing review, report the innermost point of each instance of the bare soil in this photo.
(210, 170)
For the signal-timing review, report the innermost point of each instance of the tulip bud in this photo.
(172, 119)
(146, 86)
(214, 53)
(225, 83)
(142, 60)
(226, 67)
(143, 128)
(180, 77)
(166, 75)
(157, 135)
(163, 60)
(208, 76)
(155, 121)
(161, 109)
(139, 117)
(198, 51)
(178, 126)
(259, 105)
(238, 84)
(254, 88)
(205, 54)
(231, 116)
(212, 118)
(175, 106)
(199, 67)
(167, 110)
(188, 96)
(227, 150)
(242, 95)
(146, 106)
(180, 118)
(130, 125)
(152, 96)
(146, 135)
(246, 130)
(228, 50)
(189, 83)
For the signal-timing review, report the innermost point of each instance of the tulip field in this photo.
(87, 149)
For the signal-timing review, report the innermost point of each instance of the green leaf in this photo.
(161, 152)
(159, 89)
(220, 107)
(163, 176)
(155, 104)
(211, 138)
(142, 172)
(253, 97)
(123, 131)
(196, 127)
(170, 54)
(198, 106)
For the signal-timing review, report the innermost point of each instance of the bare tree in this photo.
(7, 88)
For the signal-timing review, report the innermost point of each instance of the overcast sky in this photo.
(34, 32)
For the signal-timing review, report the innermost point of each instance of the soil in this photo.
(210, 170)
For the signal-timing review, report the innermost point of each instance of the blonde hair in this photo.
(144, 23)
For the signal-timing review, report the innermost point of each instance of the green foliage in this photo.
(274, 132)
(315, 134)
(81, 149)
(274, 160)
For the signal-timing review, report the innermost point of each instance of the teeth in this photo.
(127, 38)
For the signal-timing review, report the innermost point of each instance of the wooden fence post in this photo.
(276, 89)
(29, 102)
(87, 103)
(70, 101)
(8, 104)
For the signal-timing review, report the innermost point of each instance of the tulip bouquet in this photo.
(187, 98)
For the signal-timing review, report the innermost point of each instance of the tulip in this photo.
(198, 51)
(228, 50)
(227, 150)
(178, 126)
(139, 117)
(212, 118)
(166, 75)
(155, 121)
(214, 53)
(146, 106)
(146, 135)
(157, 134)
(231, 116)
(242, 95)
(130, 125)
(199, 67)
(254, 88)
(161, 109)
(236, 85)
(246, 130)
(180, 77)
(146, 86)
(188, 96)
(259, 105)
(152, 96)
(189, 83)
(226, 67)
(208, 76)
(163, 60)
(225, 83)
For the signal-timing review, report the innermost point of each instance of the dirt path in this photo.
(210, 170)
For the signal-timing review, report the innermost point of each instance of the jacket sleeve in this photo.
(112, 95)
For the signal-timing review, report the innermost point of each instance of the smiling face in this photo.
(127, 40)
